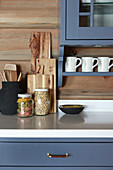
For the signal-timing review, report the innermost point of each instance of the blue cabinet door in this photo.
(98, 20)
(36, 154)
(58, 168)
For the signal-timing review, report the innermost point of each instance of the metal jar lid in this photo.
(24, 95)
(41, 90)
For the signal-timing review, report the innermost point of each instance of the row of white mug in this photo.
(88, 64)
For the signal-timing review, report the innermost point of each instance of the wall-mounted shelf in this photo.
(61, 73)
(87, 74)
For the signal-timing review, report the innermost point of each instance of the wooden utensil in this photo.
(13, 75)
(11, 71)
(10, 67)
(19, 77)
(3, 76)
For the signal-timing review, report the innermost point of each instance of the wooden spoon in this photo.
(12, 70)
(3, 76)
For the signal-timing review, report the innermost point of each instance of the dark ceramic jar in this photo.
(9, 96)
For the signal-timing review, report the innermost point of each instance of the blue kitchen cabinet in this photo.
(85, 23)
(84, 20)
(35, 154)
(64, 154)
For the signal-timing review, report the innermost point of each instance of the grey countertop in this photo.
(85, 120)
(96, 121)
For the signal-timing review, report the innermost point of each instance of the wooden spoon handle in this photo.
(20, 76)
(4, 76)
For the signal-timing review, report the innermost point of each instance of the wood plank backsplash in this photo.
(18, 19)
(14, 43)
(29, 14)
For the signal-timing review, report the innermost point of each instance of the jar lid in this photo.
(24, 95)
(41, 89)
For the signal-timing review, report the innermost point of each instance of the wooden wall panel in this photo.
(29, 14)
(88, 82)
(14, 43)
(86, 88)
(18, 18)
(86, 51)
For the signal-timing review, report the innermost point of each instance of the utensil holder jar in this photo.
(9, 96)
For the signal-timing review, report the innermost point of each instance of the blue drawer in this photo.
(57, 168)
(35, 154)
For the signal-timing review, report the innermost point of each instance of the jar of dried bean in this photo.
(42, 101)
(25, 105)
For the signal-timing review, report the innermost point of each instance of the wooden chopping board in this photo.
(40, 44)
(48, 67)
(35, 81)
(45, 69)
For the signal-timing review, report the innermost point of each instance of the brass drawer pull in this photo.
(57, 156)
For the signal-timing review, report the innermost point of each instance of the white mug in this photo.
(88, 64)
(104, 64)
(71, 64)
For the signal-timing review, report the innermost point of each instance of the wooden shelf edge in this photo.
(80, 94)
(87, 73)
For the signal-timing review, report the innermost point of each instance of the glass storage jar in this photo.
(42, 101)
(25, 105)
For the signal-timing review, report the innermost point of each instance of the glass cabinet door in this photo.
(84, 13)
(89, 19)
(103, 13)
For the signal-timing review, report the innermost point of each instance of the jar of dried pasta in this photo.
(25, 105)
(42, 101)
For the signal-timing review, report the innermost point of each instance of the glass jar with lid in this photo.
(42, 101)
(25, 105)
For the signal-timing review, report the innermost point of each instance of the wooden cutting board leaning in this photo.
(40, 44)
(42, 67)
(42, 82)
(44, 79)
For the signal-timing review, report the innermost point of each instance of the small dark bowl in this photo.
(71, 109)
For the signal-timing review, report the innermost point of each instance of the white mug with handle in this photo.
(71, 64)
(104, 64)
(88, 64)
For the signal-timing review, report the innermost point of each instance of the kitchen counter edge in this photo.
(51, 133)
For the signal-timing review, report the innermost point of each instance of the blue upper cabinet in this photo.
(87, 22)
